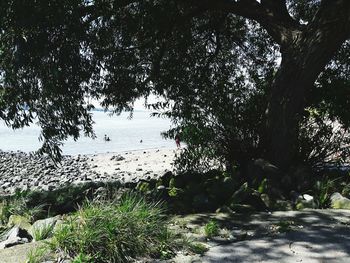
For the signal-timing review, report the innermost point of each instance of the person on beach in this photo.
(177, 140)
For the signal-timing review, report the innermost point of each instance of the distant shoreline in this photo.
(97, 153)
(125, 135)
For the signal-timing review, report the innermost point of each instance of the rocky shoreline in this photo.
(23, 171)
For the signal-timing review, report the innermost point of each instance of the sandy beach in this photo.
(22, 171)
(134, 165)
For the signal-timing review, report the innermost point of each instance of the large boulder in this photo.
(301, 178)
(339, 202)
(20, 221)
(15, 237)
(220, 188)
(260, 169)
(40, 225)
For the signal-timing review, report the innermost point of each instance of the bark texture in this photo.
(306, 49)
(304, 56)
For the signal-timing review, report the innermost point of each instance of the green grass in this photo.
(42, 232)
(19, 207)
(39, 254)
(284, 226)
(82, 258)
(197, 248)
(115, 231)
(211, 229)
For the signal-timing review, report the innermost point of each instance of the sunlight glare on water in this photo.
(125, 135)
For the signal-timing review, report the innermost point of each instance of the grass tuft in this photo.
(43, 232)
(115, 231)
(211, 229)
(38, 254)
(197, 248)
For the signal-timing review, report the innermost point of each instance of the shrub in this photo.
(211, 229)
(19, 207)
(115, 232)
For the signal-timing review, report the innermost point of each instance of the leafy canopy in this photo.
(214, 67)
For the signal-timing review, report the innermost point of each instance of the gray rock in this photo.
(14, 237)
(161, 187)
(339, 202)
(44, 223)
(306, 201)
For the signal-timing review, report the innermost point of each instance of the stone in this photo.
(15, 237)
(240, 194)
(43, 223)
(18, 253)
(339, 202)
(266, 199)
(308, 197)
(6, 185)
(283, 205)
(227, 187)
(305, 201)
(260, 169)
(20, 221)
(160, 187)
(200, 202)
(166, 177)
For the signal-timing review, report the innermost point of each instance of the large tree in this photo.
(54, 55)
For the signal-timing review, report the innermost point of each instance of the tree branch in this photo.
(270, 14)
(327, 31)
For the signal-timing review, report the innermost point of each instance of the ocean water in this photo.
(125, 135)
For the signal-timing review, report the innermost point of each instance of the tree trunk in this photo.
(300, 66)
(286, 103)
(306, 50)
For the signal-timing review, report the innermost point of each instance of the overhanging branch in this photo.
(270, 14)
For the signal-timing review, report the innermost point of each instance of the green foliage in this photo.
(38, 204)
(173, 192)
(115, 232)
(19, 207)
(206, 60)
(221, 123)
(43, 232)
(215, 68)
(325, 187)
(197, 248)
(323, 138)
(211, 229)
(143, 187)
(82, 258)
(38, 254)
(262, 186)
(284, 226)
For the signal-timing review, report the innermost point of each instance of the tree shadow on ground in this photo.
(314, 236)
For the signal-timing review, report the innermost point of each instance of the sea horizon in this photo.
(142, 132)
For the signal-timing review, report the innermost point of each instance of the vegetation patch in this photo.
(211, 229)
(115, 231)
(197, 248)
(39, 254)
(43, 232)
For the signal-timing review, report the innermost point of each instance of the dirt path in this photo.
(284, 237)
(311, 236)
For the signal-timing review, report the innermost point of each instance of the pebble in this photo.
(22, 171)
(19, 170)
